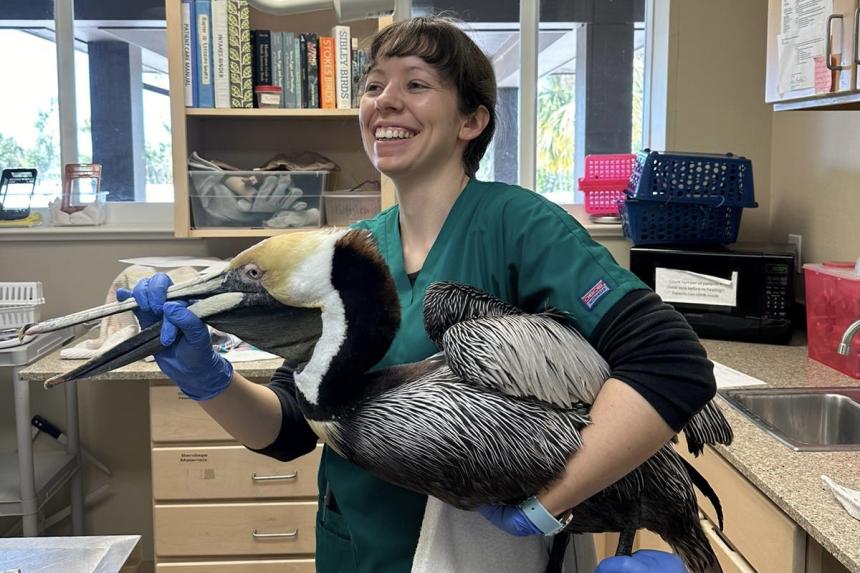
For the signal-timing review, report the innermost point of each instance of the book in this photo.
(297, 54)
(313, 75)
(220, 60)
(278, 62)
(291, 71)
(328, 97)
(343, 65)
(205, 87)
(303, 69)
(358, 63)
(239, 54)
(261, 45)
(186, 11)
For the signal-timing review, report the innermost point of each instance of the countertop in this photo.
(97, 554)
(790, 479)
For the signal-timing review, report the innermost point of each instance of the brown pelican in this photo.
(492, 419)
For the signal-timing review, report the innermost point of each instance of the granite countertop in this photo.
(790, 479)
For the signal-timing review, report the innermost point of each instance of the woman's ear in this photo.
(474, 124)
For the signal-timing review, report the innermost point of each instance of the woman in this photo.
(427, 115)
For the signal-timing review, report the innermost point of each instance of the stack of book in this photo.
(224, 60)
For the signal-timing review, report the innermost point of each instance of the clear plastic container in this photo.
(832, 304)
(268, 199)
(346, 207)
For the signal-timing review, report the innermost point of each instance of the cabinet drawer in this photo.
(230, 472)
(229, 529)
(729, 560)
(250, 566)
(747, 514)
(174, 417)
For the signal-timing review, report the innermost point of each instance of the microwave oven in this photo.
(742, 292)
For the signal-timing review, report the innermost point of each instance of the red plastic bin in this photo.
(605, 181)
(832, 304)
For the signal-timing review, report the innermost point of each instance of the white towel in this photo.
(114, 329)
(457, 541)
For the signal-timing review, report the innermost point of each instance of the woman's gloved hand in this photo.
(642, 561)
(187, 357)
(528, 518)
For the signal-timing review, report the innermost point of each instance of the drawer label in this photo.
(186, 458)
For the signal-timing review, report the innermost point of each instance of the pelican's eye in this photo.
(252, 272)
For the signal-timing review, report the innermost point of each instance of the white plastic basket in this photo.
(19, 304)
(18, 316)
(21, 294)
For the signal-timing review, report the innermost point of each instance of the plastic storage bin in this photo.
(273, 199)
(19, 306)
(687, 198)
(832, 304)
(605, 181)
(344, 208)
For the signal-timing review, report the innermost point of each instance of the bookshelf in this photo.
(249, 137)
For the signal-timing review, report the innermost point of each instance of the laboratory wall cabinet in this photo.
(812, 54)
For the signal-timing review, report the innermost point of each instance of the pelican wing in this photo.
(526, 356)
(447, 303)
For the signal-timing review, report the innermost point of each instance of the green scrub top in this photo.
(502, 239)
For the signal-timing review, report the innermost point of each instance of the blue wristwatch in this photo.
(543, 519)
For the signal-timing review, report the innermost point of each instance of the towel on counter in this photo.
(847, 497)
(114, 329)
(457, 541)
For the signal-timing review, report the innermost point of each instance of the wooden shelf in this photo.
(243, 232)
(273, 112)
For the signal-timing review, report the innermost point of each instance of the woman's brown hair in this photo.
(439, 42)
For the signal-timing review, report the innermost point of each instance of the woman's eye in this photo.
(372, 88)
(416, 85)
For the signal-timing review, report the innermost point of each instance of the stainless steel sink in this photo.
(805, 419)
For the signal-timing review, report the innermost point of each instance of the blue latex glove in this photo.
(187, 358)
(642, 561)
(510, 519)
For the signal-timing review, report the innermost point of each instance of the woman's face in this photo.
(410, 124)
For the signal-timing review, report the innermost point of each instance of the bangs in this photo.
(434, 43)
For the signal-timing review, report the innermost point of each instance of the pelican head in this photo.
(323, 300)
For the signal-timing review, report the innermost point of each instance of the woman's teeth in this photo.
(393, 133)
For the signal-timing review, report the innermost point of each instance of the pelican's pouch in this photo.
(334, 553)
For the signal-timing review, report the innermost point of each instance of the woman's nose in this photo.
(390, 99)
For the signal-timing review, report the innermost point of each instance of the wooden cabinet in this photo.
(812, 55)
(757, 535)
(219, 507)
(248, 138)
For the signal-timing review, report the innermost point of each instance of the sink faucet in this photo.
(847, 336)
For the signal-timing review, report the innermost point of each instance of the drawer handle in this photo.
(291, 476)
(288, 535)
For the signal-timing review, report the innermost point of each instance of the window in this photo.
(122, 106)
(29, 123)
(590, 84)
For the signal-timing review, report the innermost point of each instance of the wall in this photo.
(716, 91)
(816, 181)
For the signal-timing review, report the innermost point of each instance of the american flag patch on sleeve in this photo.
(594, 294)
